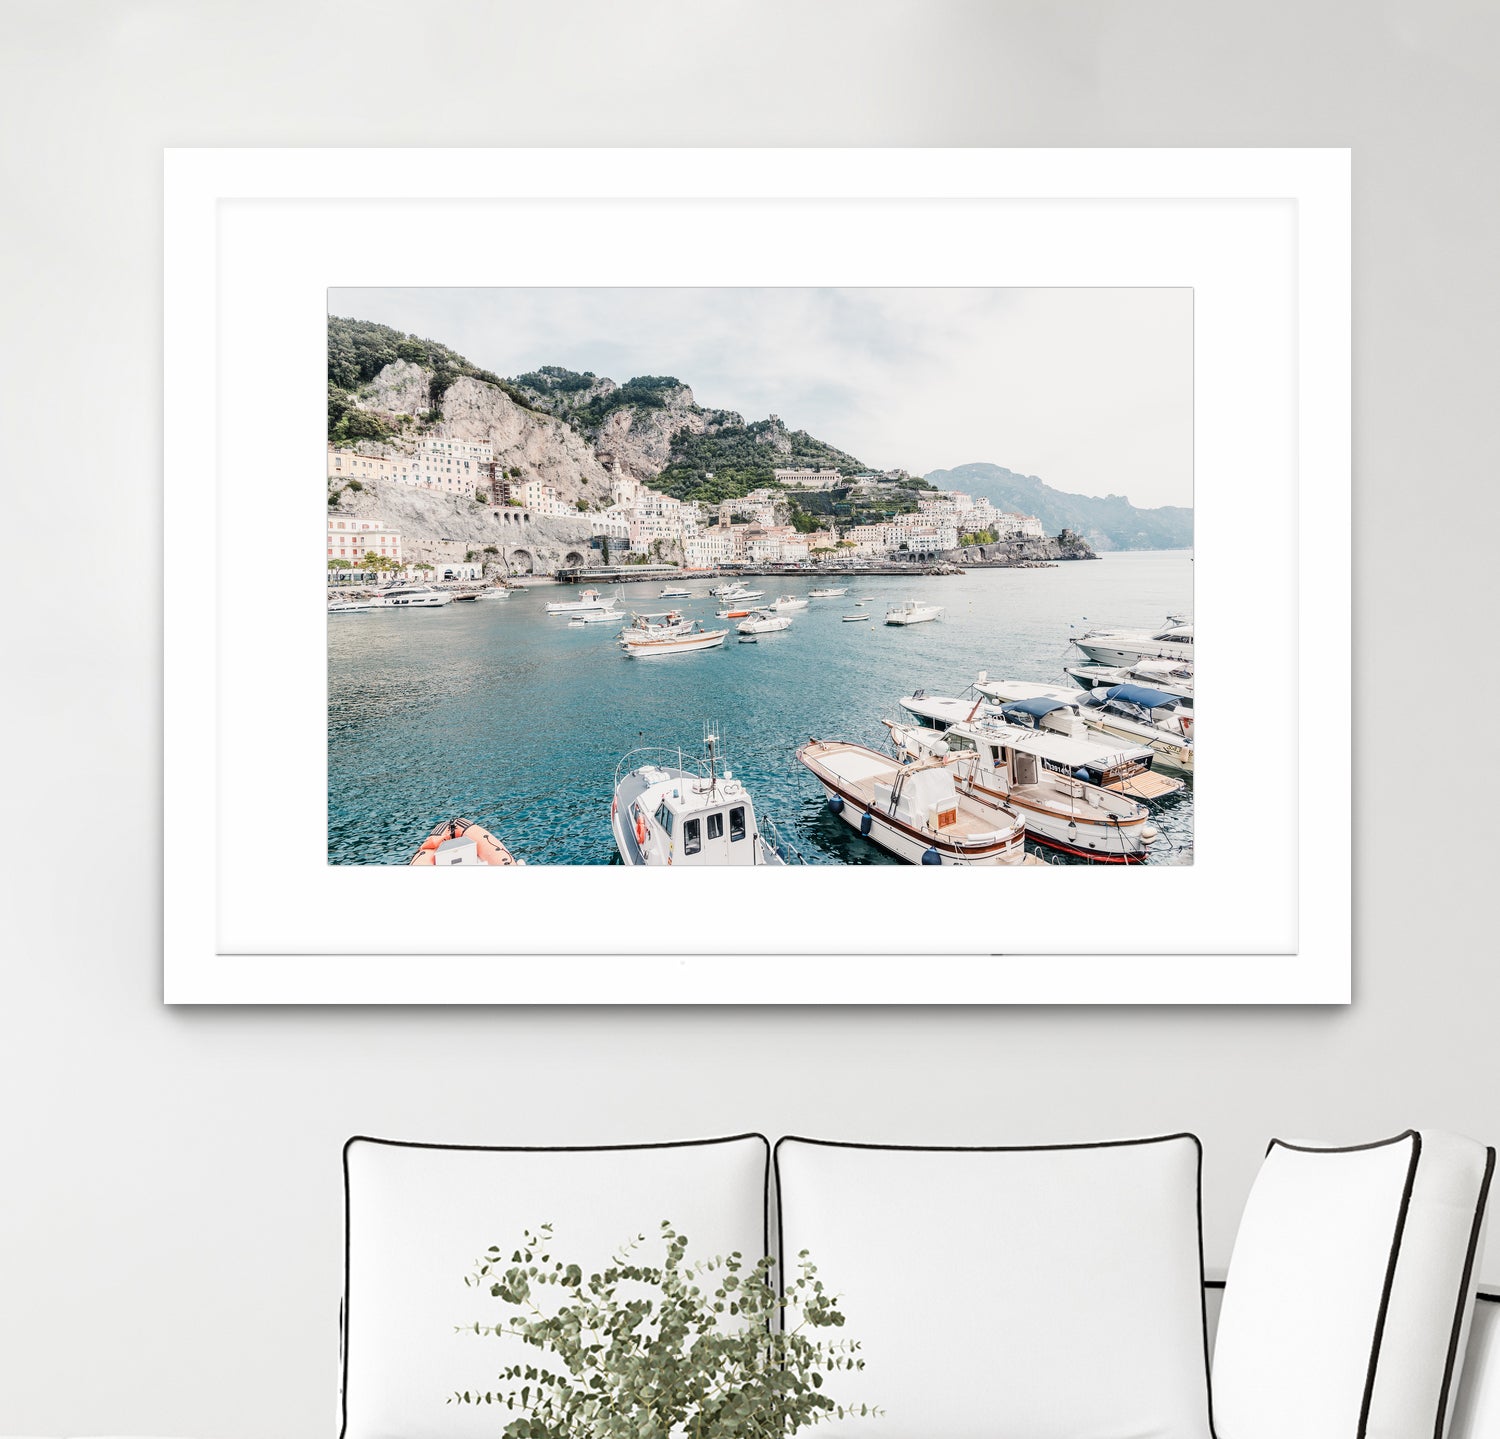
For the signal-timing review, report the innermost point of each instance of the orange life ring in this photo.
(640, 828)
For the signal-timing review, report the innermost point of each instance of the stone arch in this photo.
(522, 562)
(982, 554)
(573, 560)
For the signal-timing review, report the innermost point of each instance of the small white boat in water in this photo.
(914, 811)
(765, 624)
(647, 647)
(461, 842)
(594, 617)
(588, 600)
(854, 619)
(912, 613)
(787, 602)
(828, 593)
(418, 597)
(672, 592)
(1173, 641)
(496, 592)
(665, 814)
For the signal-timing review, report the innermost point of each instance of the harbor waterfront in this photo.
(511, 717)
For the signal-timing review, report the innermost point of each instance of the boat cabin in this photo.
(706, 828)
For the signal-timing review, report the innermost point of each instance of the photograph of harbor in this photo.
(575, 619)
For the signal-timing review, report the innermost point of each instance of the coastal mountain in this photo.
(1109, 522)
(576, 430)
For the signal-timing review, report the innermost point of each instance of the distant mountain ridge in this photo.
(1108, 522)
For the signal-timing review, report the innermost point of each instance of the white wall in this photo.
(169, 1181)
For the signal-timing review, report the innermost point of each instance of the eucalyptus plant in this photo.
(675, 1350)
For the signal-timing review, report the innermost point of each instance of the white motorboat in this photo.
(496, 592)
(1133, 713)
(660, 626)
(1173, 641)
(854, 619)
(665, 814)
(1173, 677)
(914, 811)
(417, 597)
(828, 593)
(652, 647)
(594, 617)
(1051, 727)
(912, 613)
(997, 762)
(463, 843)
(672, 592)
(737, 590)
(765, 624)
(787, 602)
(588, 600)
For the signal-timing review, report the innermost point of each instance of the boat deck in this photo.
(1148, 785)
(857, 771)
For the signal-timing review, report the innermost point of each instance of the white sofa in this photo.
(1349, 1310)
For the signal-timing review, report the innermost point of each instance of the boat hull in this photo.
(680, 645)
(1123, 653)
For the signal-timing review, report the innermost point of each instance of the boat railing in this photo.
(680, 760)
(772, 836)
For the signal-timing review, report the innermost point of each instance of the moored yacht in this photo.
(645, 646)
(828, 592)
(1061, 811)
(665, 814)
(1173, 677)
(916, 812)
(461, 842)
(765, 623)
(911, 612)
(417, 597)
(588, 600)
(787, 602)
(1133, 713)
(672, 592)
(659, 626)
(1173, 641)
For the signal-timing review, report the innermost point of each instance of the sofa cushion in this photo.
(418, 1216)
(1350, 1289)
(1476, 1402)
(1051, 1292)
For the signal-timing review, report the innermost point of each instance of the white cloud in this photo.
(1091, 388)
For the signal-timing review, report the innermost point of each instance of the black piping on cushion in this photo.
(512, 1149)
(1203, 1282)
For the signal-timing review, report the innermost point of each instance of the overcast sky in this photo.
(1089, 389)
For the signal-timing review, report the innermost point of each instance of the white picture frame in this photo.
(253, 240)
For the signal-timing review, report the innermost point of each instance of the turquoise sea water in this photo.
(500, 713)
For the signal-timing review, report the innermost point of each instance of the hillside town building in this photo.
(353, 539)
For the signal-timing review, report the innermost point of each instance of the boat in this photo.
(854, 619)
(1052, 727)
(588, 600)
(1061, 811)
(462, 842)
(351, 606)
(671, 592)
(916, 812)
(765, 624)
(659, 626)
(1173, 641)
(667, 814)
(748, 640)
(1173, 677)
(418, 597)
(736, 590)
(828, 592)
(496, 592)
(735, 614)
(1134, 713)
(648, 647)
(912, 613)
(787, 602)
(594, 617)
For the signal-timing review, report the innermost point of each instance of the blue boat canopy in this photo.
(1036, 708)
(1139, 695)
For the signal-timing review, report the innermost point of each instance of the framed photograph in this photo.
(718, 544)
